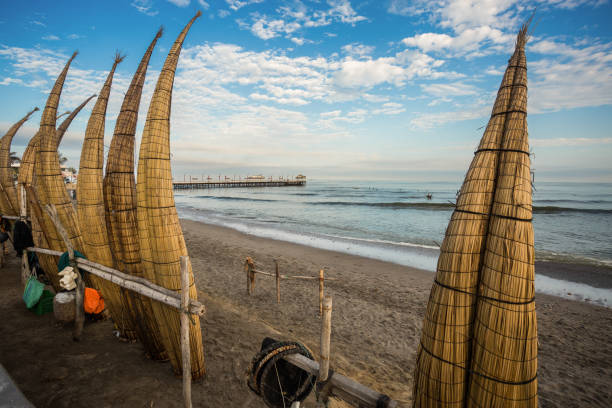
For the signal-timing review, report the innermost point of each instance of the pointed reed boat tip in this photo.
(118, 57)
(160, 32)
(198, 14)
(74, 54)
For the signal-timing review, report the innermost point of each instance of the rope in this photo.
(477, 373)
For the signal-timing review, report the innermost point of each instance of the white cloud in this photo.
(51, 37)
(144, 7)
(570, 77)
(223, 13)
(38, 23)
(390, 108)
(180, 3)
(449, 89)
(204, 4)
(73, 36)
(470, 40)
(358, 50)
(267, 29)
(297, 16)
(576, 141)
(238, 4)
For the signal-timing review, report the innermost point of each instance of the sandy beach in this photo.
(377, 314)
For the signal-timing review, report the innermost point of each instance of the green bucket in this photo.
(45, 304)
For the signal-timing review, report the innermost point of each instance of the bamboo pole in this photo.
(277, 282)
(185, 349)
(325, 339)
(80, 289)
(133, 283)
(321, 290)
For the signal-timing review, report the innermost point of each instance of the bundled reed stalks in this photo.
(444, 354)
(504, 346)
(8, 198)
(48, 262)
(61, 130)
(161, 237)
(121, 218)
(91, 203)
(49, 183)
(24, 180)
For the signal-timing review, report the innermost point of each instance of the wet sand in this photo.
(376, 321)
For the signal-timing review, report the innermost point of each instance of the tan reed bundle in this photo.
(48, 262)
(121, 218)
(441, 373)
(48, 181)
(61, 130)
(90, 203)
(162, 241)
(26, 174)
(8, 198)
(504, 346)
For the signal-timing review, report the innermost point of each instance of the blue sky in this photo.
(388, 89)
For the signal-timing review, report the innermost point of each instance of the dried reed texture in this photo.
(49, 182)
(61, 130)
(504, 346)
(120, 202)
(8, 199)
(441, 374)
(90, 204)
(26, 174)
(162, 244)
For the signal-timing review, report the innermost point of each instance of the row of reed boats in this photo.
(133, 227)
(479, 339)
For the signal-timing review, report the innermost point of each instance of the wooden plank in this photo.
(133, 283)
(341, 386)
(185, 348)
(325, 338)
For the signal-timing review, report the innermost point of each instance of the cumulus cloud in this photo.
(238, 4)
(51, 37)
(298, 16)
(358, 50)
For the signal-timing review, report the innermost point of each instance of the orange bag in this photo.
(93, 302)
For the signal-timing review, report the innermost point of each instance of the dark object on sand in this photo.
(277, 381)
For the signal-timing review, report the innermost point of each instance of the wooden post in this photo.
(325, 339)
(321, 290)
(185, 348)
(277, 282)
(252, 275)
(23, 205)
(248, 276)
(80, 289)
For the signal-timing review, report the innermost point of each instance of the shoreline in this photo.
(577, 281)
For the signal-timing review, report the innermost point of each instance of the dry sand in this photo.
(378, 308)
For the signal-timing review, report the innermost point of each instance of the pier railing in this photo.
(203, 184)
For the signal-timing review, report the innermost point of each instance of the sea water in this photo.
(397, 222)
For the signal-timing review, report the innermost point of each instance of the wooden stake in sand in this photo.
(80, 289)
(277, 282)
(185, 348)
(325, 338)
(321, 290)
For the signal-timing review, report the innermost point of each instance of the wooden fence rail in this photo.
(250, 269)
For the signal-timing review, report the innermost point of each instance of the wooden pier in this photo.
(197, 184)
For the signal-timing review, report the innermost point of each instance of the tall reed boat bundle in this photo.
(479, 343)
(48, 182)
(161, 237)
(90, 203)
(8, 197)
(121, 217)
(27, 180)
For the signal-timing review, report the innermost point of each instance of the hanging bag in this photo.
(33, 291)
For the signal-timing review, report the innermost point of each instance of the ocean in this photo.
(394, 221)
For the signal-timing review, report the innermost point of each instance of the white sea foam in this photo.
(423, 257)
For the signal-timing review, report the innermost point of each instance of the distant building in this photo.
(300, 177)
(256, 177)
